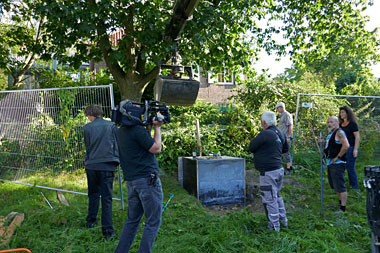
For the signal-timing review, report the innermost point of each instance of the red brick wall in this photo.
(216, 93)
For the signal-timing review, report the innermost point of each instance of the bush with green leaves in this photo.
(3, 80)
(227, 131)
(56, 146)
(258, 94)
(8, 149)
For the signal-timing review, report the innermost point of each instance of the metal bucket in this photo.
(176, 91)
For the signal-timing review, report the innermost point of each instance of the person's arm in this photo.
(156, 147)
(290, 131)
(285, 145)
(86, 139)
(341, 136)
(356, 146)
(115, 139)
(256, 143)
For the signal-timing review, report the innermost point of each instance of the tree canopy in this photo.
(22, 39)
(342, 49)
(218, 34)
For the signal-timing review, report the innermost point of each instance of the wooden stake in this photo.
(199, 139)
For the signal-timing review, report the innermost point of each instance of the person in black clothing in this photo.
(267, 148)
(335, 150)
(102, 157)
(140, 168)
(349, 124)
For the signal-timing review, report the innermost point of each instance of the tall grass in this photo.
(187, 226)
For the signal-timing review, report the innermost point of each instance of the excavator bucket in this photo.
(176, 91)
(173, 89)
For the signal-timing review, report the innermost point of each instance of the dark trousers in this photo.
(351, 168)
(100, 184)
(142, 198)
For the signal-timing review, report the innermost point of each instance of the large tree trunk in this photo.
(131, 89)
(133, 82)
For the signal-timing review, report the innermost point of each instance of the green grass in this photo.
(187, 226)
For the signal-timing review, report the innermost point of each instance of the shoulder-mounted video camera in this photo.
(134, 113)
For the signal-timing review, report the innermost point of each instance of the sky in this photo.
(278, 67)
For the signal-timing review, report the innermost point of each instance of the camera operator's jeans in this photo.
(142, 198)
(351, 168)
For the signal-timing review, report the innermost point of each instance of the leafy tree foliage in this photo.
(215, 38)
(337, 46)
(227, 131)
(22, 39)
(3, 80)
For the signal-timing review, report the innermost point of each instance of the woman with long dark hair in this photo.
(349, 124)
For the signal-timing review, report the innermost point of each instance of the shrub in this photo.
(226, 131)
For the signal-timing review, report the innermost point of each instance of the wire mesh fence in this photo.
(313, 111)
(41, 137)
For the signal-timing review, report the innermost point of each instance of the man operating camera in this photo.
(138, 161)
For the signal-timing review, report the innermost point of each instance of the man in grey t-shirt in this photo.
(285, 124)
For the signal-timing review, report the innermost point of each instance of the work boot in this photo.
(284, 224)
(271, 227)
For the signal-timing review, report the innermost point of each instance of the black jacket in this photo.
(100, 142)
(267, 147)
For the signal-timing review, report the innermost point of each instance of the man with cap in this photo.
(285, 125)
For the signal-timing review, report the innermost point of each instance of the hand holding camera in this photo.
(158, 120)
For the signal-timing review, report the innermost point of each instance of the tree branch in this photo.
(106, 48)
(129, 30)
(183, 11)
(140, 65)
(150, 76)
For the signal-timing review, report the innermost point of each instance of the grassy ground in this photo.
(187, 226)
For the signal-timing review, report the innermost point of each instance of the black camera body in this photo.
(132, 113)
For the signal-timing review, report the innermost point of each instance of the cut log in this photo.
(6, 232)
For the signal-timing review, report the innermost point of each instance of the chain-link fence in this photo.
(313, 111)
(41, 137)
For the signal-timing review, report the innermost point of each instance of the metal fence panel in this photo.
(314, 109)
(41, 138)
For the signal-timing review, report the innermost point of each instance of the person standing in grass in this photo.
(267, 148)
(145, 196)
(349, 124)
(335, 150)
(102, 158)
(285, 124)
